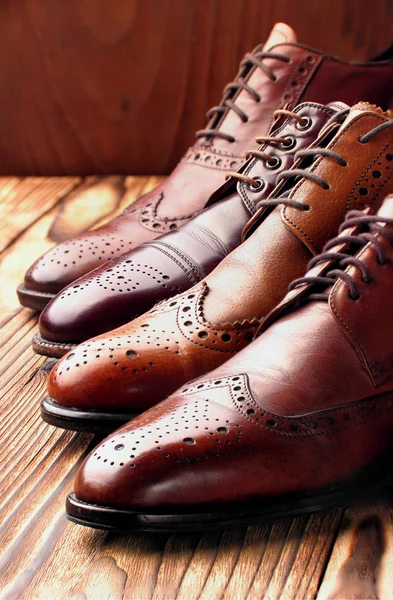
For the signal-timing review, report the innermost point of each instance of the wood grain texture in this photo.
(340, 554)
(91, 86)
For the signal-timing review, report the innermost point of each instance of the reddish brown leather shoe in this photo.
(301, 420)
(110, 378)
(283, 72)
(127, 287)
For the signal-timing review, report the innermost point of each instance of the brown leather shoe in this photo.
(127, 287)
(301, 420)
(282, 72)
(110, 378)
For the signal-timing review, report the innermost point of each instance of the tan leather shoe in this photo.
(301, 420)
(110, 378)
(279, 73)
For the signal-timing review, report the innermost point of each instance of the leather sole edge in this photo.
(51, 349)
(127, 521)
(74, 419)
(33, 299)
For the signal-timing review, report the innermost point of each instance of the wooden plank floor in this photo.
(341, 554)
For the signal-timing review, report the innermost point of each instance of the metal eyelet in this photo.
(259, 187)
(273, 163)
(289, 143)
(307, 122)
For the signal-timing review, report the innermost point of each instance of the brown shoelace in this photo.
(271, 161)
(370, 225)
(256, 184)
(231, 89)
(313, 153)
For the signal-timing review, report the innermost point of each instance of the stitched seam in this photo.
(183, 268)
(206, 325)
(213, 167)
(251, 321)
(167, 219)
(216, 152)
(186, 259)
(331, 431)
(42, 342)
(35, 293)
(193, 341)
(164, 220)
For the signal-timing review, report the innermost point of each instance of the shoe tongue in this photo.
(386, 209)
(280, 34)
(365, 107)
(338, 106)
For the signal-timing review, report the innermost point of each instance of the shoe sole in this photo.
(127, 521)
(33, 299)
(52, 349)
(80, 420)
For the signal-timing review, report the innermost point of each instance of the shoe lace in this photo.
(231, 89)
(283, 142)
(295, 175)
(370, 225)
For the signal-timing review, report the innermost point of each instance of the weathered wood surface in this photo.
(340, 554)
(98, 86)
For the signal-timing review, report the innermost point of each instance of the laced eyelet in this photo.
(259, 187)
(273, 163)
(361, 140)
(368, 280)
(306, 124)
(289, 143)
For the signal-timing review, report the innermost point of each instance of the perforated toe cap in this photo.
(141, 363)
(182, 452)
(112, 295)
(70, 260)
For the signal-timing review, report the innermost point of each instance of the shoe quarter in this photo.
(363, 183)
(368, 321)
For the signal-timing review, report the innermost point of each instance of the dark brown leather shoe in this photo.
(300, 421)
(282, 72)
(127, 287)
(108, 379)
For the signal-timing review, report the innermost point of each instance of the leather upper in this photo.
(303, 74)
(307, 406)
(139, 364)
(128, 286)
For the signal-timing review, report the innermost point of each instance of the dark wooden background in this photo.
(119, 86)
